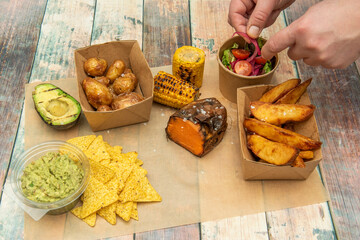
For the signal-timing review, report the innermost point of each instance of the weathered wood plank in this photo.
(336, 96)
(19, 26)
(166, 27)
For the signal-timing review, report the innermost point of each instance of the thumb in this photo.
(281, 40)
(259, 17)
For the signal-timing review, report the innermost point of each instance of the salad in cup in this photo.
(247, 60)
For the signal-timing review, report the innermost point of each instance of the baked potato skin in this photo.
(278, 114)
(95, 66)
(97, 94)
(115, 70)
(126, 100)
(104, 108)
(124, 85)
(103, 80)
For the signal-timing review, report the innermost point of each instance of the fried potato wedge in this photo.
(299, 162)
(278, 114)
(294, 95)
(272, 152)
(280, 135)
(280, 90)
(306, 155)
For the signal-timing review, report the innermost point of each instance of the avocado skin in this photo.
(47, 87)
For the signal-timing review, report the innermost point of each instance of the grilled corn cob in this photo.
(188, 64)
(172, 91)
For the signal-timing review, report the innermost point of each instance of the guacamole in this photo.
(51, 178)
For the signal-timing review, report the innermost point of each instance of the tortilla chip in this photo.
(97, 150)
(82, 142)
(134, 213)
(114, 151)
(97, 196)
(115, 184)
(127, 158)
(101, 172)
(122, 171)
(108, 213)
(138, 188)
(139, 162)
(90, 220)
(124, 210)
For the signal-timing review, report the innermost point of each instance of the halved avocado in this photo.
(57, 108)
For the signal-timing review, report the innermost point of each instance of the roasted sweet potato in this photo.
(281, 135)
(272, 152)
(294, 95)
(199, 126)
(299, 162)
(306, 155)
(278, 114)
(279, 90)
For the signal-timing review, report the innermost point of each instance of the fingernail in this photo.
(253, 31)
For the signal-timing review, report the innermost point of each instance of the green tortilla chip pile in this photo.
(117, 182)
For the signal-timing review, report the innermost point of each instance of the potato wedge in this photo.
(281, 135)
(272, 152)
(278, 114)
(294, 95)
(306, 155)
(299, 162)
(280, 90)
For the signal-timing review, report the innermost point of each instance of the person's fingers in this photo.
(259, 17)
(237, 16)
(278, 42)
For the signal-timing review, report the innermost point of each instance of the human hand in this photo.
(328, 34)
(252, 16)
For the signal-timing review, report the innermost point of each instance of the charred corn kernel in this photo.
(188, 64)
(172, 91)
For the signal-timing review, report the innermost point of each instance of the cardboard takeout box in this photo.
(129, 51)
(254, 170)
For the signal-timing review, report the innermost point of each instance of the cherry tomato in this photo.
(243, 68)
(260, 60)
(240, 53)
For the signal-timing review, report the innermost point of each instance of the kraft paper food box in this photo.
(255, 170)
(129, 51)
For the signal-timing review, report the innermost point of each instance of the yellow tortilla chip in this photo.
(134, 213)
(82, 142)
(97, 196)
(90, 220)
(115, 184)
(122, 171)
(128, 158)
(138, 188)
(108, 213)
(124, 210)
(114, 151)
(101, 172)
(97, 150)
(139, 162)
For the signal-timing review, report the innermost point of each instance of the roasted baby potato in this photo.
(103, 80)
(104, 108)
(115, 70)
(294, 95)
(95, 66)
(280, 90)
(124, 85)
(97, 94)
(272, 152)
(278, 114)
(126, 100)
(281, 135)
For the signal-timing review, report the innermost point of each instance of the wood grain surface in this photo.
(20, 28)
(335, 93)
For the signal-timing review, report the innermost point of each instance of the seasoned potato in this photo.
(294, 95)
(306, 155)
(278, 114)
(103, 80)
(124, 85)
(281, 135)
(126, 100)
(299, 162)
(132, 76)
(279, 90)
(115, 70)
(127, 70)
(104, 108)
(96, 93)
(272, 152)
(95, 66)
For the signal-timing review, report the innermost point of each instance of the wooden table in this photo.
(37, 41)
